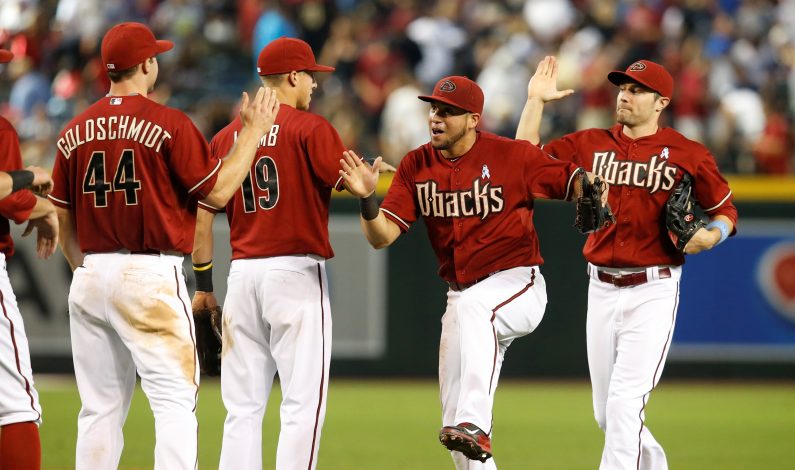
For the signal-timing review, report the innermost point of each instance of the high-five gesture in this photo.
(259, 113)
(544, 84)
(360, 178)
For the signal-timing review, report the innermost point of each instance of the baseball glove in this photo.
(208, 339)
(591, 213)
(680, 218)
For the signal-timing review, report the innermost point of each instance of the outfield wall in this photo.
(737, 313)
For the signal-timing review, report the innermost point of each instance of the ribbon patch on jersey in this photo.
(664, 153)
(484, 174)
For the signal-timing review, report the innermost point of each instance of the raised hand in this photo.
(359, 177)
(260, 112)
(544, 84)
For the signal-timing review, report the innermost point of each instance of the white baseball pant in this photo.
(479, 324)
(629, 331)
(131, 312)
(277, 319)
(19, 401)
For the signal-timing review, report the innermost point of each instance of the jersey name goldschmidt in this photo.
(642, 173)
(282, 208)
(131, 170)
(478, 208)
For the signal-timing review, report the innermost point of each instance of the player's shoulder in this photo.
(670, 134)
(304, 120)
(5, 125)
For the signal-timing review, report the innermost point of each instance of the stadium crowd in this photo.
(733, 63)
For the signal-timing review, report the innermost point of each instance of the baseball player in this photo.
(634, 268)
(475, 191)
(31, 177)
(127, 176)
(277, 315)
(20, 412)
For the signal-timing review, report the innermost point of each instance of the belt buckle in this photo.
(616, 279)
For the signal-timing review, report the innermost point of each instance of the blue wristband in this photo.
(720, 225)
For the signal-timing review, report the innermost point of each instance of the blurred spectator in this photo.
(438, 37)
(404, 122)
(726, 55)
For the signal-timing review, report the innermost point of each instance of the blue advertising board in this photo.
(738, 300)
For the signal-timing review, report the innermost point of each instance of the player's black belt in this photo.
(630, 280)
(459, 286)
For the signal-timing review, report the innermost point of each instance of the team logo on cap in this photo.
(637, 67)
(447, 86)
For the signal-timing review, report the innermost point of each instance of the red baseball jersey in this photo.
(282, 208)
(18, 205)
(642, 173)
(478, 208)
(131, 170)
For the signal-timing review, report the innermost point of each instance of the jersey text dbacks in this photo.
(479, 201)
(642, 173)
(131, 170)
(478, 209)
(282, 207)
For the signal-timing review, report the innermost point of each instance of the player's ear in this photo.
(474, 120)
(146, 65)
(662, 103)
(292, 78)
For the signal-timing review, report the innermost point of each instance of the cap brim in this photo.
(320, 68)
(431, 99)
(5, 56)
(618, 78)
(163, 46)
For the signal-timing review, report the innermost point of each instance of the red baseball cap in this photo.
(284, 55)
(5, 56)
(128, 44)
(647, 73)
(457, 91)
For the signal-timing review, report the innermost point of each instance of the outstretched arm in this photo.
(202, 257)
(360, 178)
(542, 88)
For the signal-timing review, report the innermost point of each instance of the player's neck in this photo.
(285, 97)
(462, 146)
(131, 86)
(640, 130)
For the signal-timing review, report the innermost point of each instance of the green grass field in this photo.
(392, 425)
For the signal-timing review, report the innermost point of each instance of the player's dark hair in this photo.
(118, 75)
(273, 80)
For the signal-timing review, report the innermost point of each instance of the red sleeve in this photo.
(562, 149)
(399, 204)
(17, 206)
(191, 161)
(325, 148)
(546, 176)
(712, 190)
